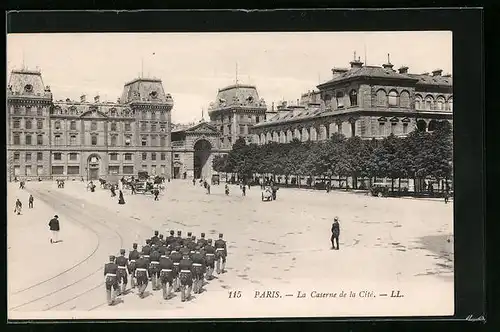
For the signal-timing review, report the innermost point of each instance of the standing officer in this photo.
(198, 269)
(221, 253)
(133, 256)
(111, 282)
(178, 238)
(154, 270)
(162, 240)
(192, 244)
(176, 257)
(335, 233)
(30, 202)
(166, 266)
(121, 274)
(210, 258)
(186, 277)
(187, 239)
(146, 250)
(170, 239)
(202, 242)
(141, 274)
(155, 239)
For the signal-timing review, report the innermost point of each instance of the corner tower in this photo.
(236, 109)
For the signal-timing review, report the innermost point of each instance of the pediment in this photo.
(94, 114)
(204, 128)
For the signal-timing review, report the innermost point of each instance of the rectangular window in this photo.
(153, 127)
(154, 141)
(405, 128)
(16, 124)
(28, 110)
(144, 168)
(17, 170)
(340, 99)
(57, 140)
(144, 156)
(162, 141)
(57, 170)
(153, 156)
(143, 115)
(153, 116)
(57, 156)
(257, 119)
(143, 126)
(72, 140)
(162, 169)
(39, 111)
(39, 124)
(39, 156)
(128, 156)
(94, 140)
(93, 126)
(28, 156)
(17, 111)
(57, 125)
(27, 124)
(17, 139)
(144, 142)
(39, 140)
(113, 126)
(113, 156)
(113, 170)
(16, 156)
(73, 156)
(381, 128)
(128, 140)
(39, 170)
(28, 139)
(393, 128)
(153, 170)
(28, 170)
(73, 170)
(113, 141)
(128, 169)
(72, 125)
(162, 156)
(127, 127)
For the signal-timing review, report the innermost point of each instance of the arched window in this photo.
(393, 98)
(440, 104)
(72, 125)
(381, 98)
(27, 124)
(433, 125)
(450, 104)
(421, 125)
(404, 99)
(418, 102)
(113, 112)
(113, 141)
(429, 101)
(353, 97)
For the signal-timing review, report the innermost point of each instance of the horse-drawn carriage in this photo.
(267, 194)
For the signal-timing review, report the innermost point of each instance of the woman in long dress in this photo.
(121, 200)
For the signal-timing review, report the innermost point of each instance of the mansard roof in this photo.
(27, 83)
(368, 72)
(238, 95)
(149, 90)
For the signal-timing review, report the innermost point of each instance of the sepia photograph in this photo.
(229, 175)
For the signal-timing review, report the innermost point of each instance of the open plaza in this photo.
(283, 246)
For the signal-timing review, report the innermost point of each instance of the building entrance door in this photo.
(177, 171)
(94, 174)
(202, 151)
(93, 167)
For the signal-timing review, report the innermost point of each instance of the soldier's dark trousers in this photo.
(335, 239)
(219, 269)
(167, 289)
(111, 290)
(185, 292)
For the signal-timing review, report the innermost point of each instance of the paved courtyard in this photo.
(386, 244)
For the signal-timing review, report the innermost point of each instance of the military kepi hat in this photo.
(111, 257)
(122, 251)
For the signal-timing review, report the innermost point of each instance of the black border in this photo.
(468, 69)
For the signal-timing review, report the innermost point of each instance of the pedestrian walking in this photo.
(19, 207)
(113, 191)
(335, 233)
(446, 196)
(30, 202)
(54, 229)
(274, 190)
(226, 189)
(156, 192)
(111, 280)
(208, 188)
(121, 200)
(243, 190)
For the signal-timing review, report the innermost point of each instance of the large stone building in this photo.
(89, 139)
(367, 101)
(235, 111)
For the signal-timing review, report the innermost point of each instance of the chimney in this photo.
(437, 72)
(272, 106)
(356, 63)
(388, 65)
(338, 71)
(96, 99)
(83, 99)
(403, 70)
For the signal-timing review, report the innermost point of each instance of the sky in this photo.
(193, 66)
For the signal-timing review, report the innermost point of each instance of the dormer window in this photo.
(340, 99)
(353, 97)
(154, 94)
(28, 88)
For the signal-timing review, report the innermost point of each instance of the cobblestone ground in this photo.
(386, 244)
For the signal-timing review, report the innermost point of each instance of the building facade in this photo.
(365, 101)
(235, 111)
(82, 139)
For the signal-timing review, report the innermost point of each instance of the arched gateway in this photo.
(93, 165)
(202, 152)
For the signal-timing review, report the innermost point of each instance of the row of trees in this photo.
(419, 155)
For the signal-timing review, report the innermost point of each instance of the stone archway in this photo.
(93, 166)
(202, 152)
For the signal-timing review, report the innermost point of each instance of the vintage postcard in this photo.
(230, 175)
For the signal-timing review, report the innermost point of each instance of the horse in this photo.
(102, 182)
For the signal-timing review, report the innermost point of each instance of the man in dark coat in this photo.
(121, 200)
(19, 207)
(111, 280)
(335, 233)
(30, 202)
(54, 228)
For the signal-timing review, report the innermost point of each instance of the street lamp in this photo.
(87, 172)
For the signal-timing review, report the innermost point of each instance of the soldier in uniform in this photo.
(132, 257)
(146, 250)
(178, 238)
(191, 245)
(335, 233)
(210, 258)
(111, 282)
(141, 274)
(170, 239)
(121, 275)
(198, 269)
(202, 242)
(176, 257)
(154, 270)
(187, 239)
(186, 277)
(221, 253)
(155, 239)
(162, 240)
(166, 266)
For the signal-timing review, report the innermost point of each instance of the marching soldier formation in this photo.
(173, 264)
